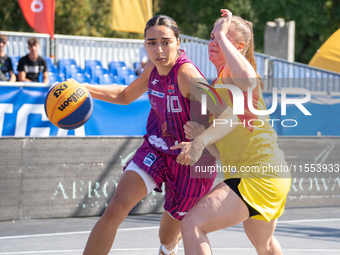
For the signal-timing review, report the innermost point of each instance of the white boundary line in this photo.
(152, 249)
(146, 228)
(309, 220)
(156, 249)
(72, 233)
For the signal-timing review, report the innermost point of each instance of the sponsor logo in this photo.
(164, 130)
(73, 98)
(156, 93)
(158, 142)
(149, 159)
(182, 213)
(58, 91)
(171, 89)
(153, 104)
(37, 6)
(154, 82)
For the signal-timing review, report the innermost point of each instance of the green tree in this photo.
(315, 21)
(196, 17)
(11, 17)
(71, 17)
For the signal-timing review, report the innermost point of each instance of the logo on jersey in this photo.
(171, 89)
(153, 104)
(154, 82)
(165, 130)
(149, 159)
(182, 213)
(156, 93)
(158, 142)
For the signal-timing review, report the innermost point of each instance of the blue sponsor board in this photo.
(22, 114)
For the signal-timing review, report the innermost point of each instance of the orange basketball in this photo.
(68, 105)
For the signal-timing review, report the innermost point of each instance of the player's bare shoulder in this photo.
(187, 74)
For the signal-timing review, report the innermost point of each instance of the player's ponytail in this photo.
(244, 30)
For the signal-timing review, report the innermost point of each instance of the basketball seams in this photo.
(80, 102)
(79, 123)
(74, 102)
(60, 99)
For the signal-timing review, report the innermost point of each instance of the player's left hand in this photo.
(190, 153)
(222, 27)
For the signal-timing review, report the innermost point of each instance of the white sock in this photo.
(166, 251)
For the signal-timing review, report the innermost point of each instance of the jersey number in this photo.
(171, 105)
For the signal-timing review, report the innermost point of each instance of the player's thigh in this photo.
(220, 208)
(130, 190)
(259, 232)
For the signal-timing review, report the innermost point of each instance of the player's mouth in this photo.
(160, 59)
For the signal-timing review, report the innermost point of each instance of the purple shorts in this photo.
(182, 191)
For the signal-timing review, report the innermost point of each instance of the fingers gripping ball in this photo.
(68, 105)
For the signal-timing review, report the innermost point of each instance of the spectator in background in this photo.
(143, 55)
(31, 65)
(6, 65)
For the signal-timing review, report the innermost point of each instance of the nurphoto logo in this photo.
(238, 103)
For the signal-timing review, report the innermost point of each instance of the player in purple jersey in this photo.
(166, 78)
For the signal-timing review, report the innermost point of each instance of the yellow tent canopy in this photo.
(328, 56)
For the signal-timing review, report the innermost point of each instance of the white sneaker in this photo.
(160, 252)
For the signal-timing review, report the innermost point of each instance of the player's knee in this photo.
(116, 209)
(166, 239)
(261, 247)
(189, 225)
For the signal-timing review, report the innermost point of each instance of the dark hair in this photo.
(32, 41)
(3, 38)
(162, 20)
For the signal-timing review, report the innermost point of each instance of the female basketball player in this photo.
(166, 78)
(256, 198)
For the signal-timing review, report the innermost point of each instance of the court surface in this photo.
(300, 231)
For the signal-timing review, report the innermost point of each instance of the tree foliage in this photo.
(315, 20)
(11, 17)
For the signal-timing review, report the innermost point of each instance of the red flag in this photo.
(39, 14)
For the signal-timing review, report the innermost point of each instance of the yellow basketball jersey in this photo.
(250, 152)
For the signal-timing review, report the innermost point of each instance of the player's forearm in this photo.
(221, 127)
(108, 93)
(214, 151)
(240, 70)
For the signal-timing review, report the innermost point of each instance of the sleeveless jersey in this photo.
(170, 110)
(253, 141)
(252, 149)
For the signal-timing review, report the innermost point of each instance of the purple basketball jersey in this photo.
(170, 110)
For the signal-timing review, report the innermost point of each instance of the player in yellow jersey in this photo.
(255, 191)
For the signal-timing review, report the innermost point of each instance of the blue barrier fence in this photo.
(22, 114)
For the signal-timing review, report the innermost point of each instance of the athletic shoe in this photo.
(160, 252)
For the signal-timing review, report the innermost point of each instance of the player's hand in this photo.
(190, 153)
(71, 79)
(222, 27)
(192, 129)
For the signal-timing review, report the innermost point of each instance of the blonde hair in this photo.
(244, 34)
